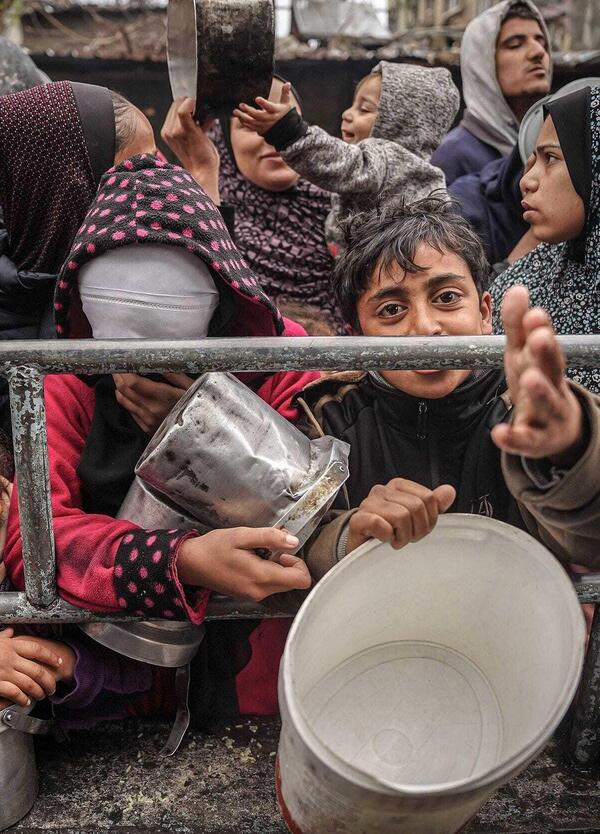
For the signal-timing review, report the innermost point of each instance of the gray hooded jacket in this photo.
(416, 108)
(488, 116)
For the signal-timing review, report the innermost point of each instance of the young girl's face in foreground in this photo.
(358, 120)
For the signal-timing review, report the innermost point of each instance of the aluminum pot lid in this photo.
(534, 118)
(157, 642)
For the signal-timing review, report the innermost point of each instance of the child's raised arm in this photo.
(326, 161)
(270, 112)
(547, 420)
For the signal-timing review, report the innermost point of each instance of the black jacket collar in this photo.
(450, 416)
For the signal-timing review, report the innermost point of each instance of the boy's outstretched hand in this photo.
(398, 513)
(270, 113)
(547, 420)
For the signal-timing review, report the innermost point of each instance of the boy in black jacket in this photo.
(424, 442)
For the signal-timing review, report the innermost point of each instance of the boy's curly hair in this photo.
(390, 235)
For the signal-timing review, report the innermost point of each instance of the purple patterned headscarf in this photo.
(282, 236)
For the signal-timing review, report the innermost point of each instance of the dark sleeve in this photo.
(24, 296)
(286, 131)
(228, 214)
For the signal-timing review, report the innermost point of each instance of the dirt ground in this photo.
(111, 779)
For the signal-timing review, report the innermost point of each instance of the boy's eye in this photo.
(448, 297)
(391, 310)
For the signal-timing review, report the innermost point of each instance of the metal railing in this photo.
(25, 364)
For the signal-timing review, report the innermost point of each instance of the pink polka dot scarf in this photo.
(147, 200)
(47, 169)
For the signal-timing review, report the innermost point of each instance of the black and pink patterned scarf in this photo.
(146, 200)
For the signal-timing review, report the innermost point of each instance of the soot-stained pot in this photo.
(220, 52)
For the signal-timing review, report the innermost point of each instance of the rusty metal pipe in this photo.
(15, 608)
(31, 464)
(275, 354)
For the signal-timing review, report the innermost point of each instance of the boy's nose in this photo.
(423, 322)
(347, 116)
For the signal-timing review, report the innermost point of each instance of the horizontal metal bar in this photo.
(587, 587)
(90, 356)
(15, 608)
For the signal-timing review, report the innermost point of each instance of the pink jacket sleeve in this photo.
(102, 564)
(280, 389)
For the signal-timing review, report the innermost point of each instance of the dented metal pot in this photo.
(228, 459)
(220, 52)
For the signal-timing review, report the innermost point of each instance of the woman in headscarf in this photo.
(17, 72)
(561, 202)
(279, 217)
(56, 141)
(153, 258)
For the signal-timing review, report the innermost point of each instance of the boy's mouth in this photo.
(347, 135)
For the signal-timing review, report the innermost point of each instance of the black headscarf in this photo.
(54, 141)
(564, 278)
(571, 117)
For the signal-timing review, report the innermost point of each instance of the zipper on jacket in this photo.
(422, 421)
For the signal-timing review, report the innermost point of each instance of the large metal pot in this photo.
(220, 52)
(228, 459)
(18, 771)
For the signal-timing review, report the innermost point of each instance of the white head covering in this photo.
(488, 116)
(148, 292)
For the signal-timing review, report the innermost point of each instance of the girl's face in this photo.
(358, 120)
(551, 206)
(257, 161)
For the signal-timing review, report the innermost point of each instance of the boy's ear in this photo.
(485, 309)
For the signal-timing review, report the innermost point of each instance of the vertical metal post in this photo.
(585, 734)
(31, 466)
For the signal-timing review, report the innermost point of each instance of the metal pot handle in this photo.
(15, 719)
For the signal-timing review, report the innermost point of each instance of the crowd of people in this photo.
(269, 226)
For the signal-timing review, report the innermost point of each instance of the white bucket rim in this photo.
(497, 774)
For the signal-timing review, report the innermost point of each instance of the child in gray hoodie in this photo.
(399, 116)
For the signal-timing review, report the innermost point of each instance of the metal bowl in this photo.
(160, 643)
(220, 52)
(534, 118)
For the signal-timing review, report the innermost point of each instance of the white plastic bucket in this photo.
(414, 683)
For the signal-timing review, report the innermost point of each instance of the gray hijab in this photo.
(488, 116)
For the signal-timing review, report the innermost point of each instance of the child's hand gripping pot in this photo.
(271, 112)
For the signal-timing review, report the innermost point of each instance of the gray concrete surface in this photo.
(112, 780)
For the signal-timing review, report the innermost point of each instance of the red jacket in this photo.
(97, 555)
